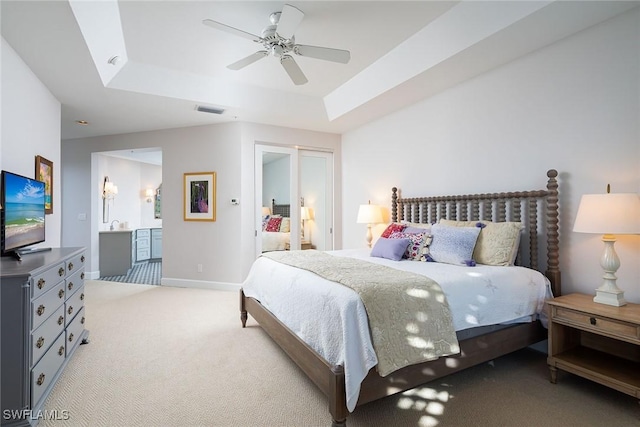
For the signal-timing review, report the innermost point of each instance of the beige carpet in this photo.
(162, 356)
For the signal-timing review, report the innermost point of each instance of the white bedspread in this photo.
(332, 320)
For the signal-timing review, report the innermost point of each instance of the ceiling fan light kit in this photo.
(278, 40)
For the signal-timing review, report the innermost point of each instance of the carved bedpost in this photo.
(394, 204)
(243, 310)
(553, 252)
(338, 397)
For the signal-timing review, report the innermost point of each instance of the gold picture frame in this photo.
(199, 203)
(44, 173)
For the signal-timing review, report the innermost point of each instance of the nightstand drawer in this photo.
(598, 324)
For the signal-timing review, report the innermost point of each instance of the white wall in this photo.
(30, 127)
(276, 182)
(572, 106)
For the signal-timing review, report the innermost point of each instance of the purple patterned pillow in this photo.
(392, 249)
(416, 242)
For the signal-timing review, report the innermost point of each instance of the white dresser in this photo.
(42, 318)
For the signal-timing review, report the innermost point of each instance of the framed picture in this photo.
(200, 196)
(44, 173)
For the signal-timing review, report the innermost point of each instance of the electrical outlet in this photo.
(199, 268)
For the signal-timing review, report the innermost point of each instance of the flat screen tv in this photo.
(22, 213)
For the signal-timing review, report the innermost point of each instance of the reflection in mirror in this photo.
(276, 221)
(157, 207)
(315, 200)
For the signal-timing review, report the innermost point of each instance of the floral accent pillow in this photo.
(274, 224)
(265, 221)
(498, 242)
(392, 228)
(416, 243)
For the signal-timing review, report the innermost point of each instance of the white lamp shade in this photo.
(149, 192)
(369, 214)
(305, 213)
(266, 210)
(612, 213)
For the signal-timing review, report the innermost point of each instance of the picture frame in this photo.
(44, 173)
(199, 203)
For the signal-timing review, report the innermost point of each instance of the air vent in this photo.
(211, 110)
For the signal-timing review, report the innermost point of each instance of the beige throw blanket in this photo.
(409, 316)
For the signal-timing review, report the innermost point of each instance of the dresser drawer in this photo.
(46, 304)
(48, 279)
(43, 373)
(598, 324)
(74, 264)
(74, 305)
(74, 331)
(143, 234)
(46, 334)
(74, 282)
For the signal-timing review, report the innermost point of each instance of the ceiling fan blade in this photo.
(326, 53)
(290, 18)
(248, 60)
(220, 26)
(291, 67)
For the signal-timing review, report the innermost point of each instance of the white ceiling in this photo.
(401, 52)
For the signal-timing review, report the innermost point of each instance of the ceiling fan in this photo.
(278, 40)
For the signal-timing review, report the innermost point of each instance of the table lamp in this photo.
(609, 214)
(369, 214)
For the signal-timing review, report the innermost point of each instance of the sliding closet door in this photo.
(276, 172)
(316, 194)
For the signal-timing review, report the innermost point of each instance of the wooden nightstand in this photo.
(596, 341)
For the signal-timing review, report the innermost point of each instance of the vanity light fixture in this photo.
(149, 195)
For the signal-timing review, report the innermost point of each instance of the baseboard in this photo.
(92, 275)
(201, 284)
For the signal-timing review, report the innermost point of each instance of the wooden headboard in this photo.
(524, 206)
(284, 210)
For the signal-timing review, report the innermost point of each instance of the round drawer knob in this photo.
(70, 337)
(61, 272)
(40, 342)
(61, 350)
(592, 320)
(40, 310)
(41, 283)
(40, 379)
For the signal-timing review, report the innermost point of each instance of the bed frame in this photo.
(284, 210)
(521, 206)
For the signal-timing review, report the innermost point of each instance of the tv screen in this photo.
(22, 212)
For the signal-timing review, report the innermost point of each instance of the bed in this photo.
(276, 238)
(537, 210)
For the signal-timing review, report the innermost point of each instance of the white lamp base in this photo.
(609, 293)
(615, 298)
